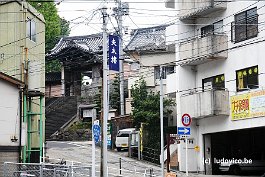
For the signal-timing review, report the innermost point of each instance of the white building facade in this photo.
(149, 48)
(219, 80)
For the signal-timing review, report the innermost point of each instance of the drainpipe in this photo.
(213, 101)
(20, 124)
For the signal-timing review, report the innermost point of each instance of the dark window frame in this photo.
(245, 25)
(247, 81)
(125, 135)
(210, 29)
(216, 86)
(166, 70)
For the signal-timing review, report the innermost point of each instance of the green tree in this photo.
(146, 110)
(55, 28)
(98, 101)
(52, 22)
(52, 66)
(65, 29)
(115, 94)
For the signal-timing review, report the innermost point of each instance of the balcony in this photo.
(196, 8)
(201, 50)
(206, 104)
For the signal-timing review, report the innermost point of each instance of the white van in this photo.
(123, 137)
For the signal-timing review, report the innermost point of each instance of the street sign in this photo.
(186, 120)
(184, 130)
(96, 132)
(109, 129)
(174, 136)
(114, 53)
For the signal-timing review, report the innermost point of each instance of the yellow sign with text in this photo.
(248, 105)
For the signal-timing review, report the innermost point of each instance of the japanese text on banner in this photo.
(114, 53)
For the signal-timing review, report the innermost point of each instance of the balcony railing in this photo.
(196, 8)
(200, 50)
(206, 104)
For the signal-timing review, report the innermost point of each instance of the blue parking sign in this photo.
(96, 132)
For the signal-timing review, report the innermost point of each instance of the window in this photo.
(215, 28)
(246, 25)
(215, 82)
(123, 135)
(31, 30)
(247, 78)
(206, 30)
(166, 71)
(218, 27)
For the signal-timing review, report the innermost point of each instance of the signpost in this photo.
(95, 138)
(186, 121)
(186, 142)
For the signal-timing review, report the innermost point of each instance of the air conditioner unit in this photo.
(171, 48)
(170, 4)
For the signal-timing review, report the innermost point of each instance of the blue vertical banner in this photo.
(114, 53)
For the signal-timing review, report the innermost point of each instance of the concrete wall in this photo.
(13, 39)
(171, 83)
(148, 63)
(10, 114)
(53, 90)
(171, 34)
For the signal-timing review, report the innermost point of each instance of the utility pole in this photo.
(93, 174)
(161, 121)
(120, 13)
(105, 93)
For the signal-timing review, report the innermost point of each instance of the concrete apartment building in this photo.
(22, 58)
(219, 80)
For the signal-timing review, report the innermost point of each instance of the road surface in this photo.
(80, 153)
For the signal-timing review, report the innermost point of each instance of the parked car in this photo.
(256, 163)
(122, 138)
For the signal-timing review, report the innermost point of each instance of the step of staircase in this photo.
(60, 110)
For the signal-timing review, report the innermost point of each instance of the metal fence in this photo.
(44, 170)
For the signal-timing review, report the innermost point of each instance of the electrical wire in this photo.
(223, 18)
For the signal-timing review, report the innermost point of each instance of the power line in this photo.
(192, 24)
(155, 2)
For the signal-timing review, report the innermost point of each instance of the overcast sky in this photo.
(86, 19)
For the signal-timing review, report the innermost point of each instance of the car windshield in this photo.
(123, 135)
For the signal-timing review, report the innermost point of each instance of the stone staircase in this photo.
(58, 111)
